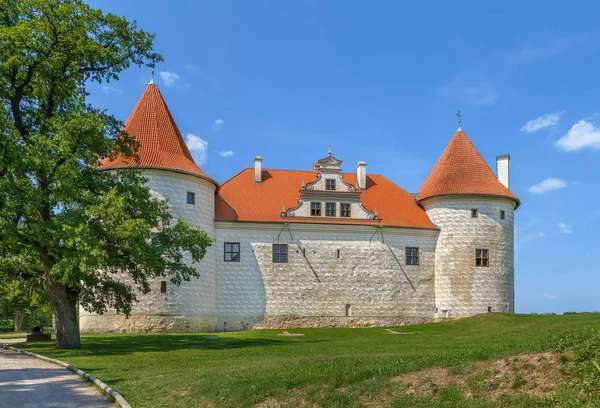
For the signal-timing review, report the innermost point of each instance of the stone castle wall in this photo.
(369, 281)
(191, 306)
(461, 288)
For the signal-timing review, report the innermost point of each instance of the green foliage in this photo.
(325, 367)
(66, 224)
(582, 366)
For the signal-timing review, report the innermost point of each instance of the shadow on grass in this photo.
(124, 344)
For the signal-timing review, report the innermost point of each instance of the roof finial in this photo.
(458, 114)
(329, 150)
(152, 65)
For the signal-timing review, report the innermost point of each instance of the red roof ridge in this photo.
(161, 145)
(461, 170)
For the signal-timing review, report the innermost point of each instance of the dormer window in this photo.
(315, 209)
(330, 209)
(330, 184)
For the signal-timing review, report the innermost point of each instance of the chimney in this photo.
(503, 169)
(258, 169)
(361, 174)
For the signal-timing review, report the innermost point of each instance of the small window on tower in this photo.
(330, 209)
(412, 256)
(474, 213)
(482, 257)
(163, 287)
(502, 215)
(191, 198)
(315, 209)
(329, 184)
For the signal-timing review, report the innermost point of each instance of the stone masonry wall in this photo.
(191, 306)
(315, 289)
(461, 288)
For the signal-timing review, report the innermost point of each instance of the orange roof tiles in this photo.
(161, 144)
(241, 199)
(461, 170)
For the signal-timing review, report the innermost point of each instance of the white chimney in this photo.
(258, 169)
(503, 169)
(361, 174)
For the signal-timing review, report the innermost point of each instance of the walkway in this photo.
(27, 382)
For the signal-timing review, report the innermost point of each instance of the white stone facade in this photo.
(461, 287)
(336, 275)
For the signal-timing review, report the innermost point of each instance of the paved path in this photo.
(26, 382)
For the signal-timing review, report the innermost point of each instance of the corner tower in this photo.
(474, 256)
(174, 176)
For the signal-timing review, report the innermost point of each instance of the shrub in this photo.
(582, 366)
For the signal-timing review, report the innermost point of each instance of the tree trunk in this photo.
(16, 321)
(64, 313)
(21, 321)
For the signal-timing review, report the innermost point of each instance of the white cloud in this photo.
(169, 78)
(550, 296)
(218, 123)
(583, 134)
(541, 235)
(198, 147)
(564, 228)
(541, 122)
(226, 153)
(108, 89)
(550, 184)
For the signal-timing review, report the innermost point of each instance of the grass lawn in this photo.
(12, 335)
(325, 367)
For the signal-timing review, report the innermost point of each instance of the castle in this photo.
(323, 248)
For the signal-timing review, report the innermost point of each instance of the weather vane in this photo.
(329, 150)
(458, 115)
(152, 65)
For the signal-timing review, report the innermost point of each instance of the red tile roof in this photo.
(241, 199)
(461, 170)
(161, 144)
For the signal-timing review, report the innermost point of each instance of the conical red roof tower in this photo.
(461, 170)
(160, 143)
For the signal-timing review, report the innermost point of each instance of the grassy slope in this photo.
(244, 368)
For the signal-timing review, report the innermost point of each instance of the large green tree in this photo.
(77, 229)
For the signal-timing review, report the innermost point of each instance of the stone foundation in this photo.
(118, 323)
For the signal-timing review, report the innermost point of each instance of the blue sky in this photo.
(381, 82)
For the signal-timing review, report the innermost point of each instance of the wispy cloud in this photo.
(541, 122)
(217, 124)
(564, 228)
(226, 153)
(550, 296)
(530, 51)
(190, 67)
(541, 235)
(550, 184)
(473, 93)
(198, 147)
(108, 89)
(582, 135)
(169, 78)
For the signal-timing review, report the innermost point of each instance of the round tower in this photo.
(174, 176)
(474, 256)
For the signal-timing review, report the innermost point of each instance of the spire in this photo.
(160, 143)
(461, 170)
(457, 114)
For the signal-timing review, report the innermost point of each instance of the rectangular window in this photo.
(482, 257)
(163, 287)
(280, 253)
(474, 213)
(231, 252)
(412, 256)
(344, 210)
(329, 184)
(502, 215)
(191, 198)
(315, 209)
(330, 209)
